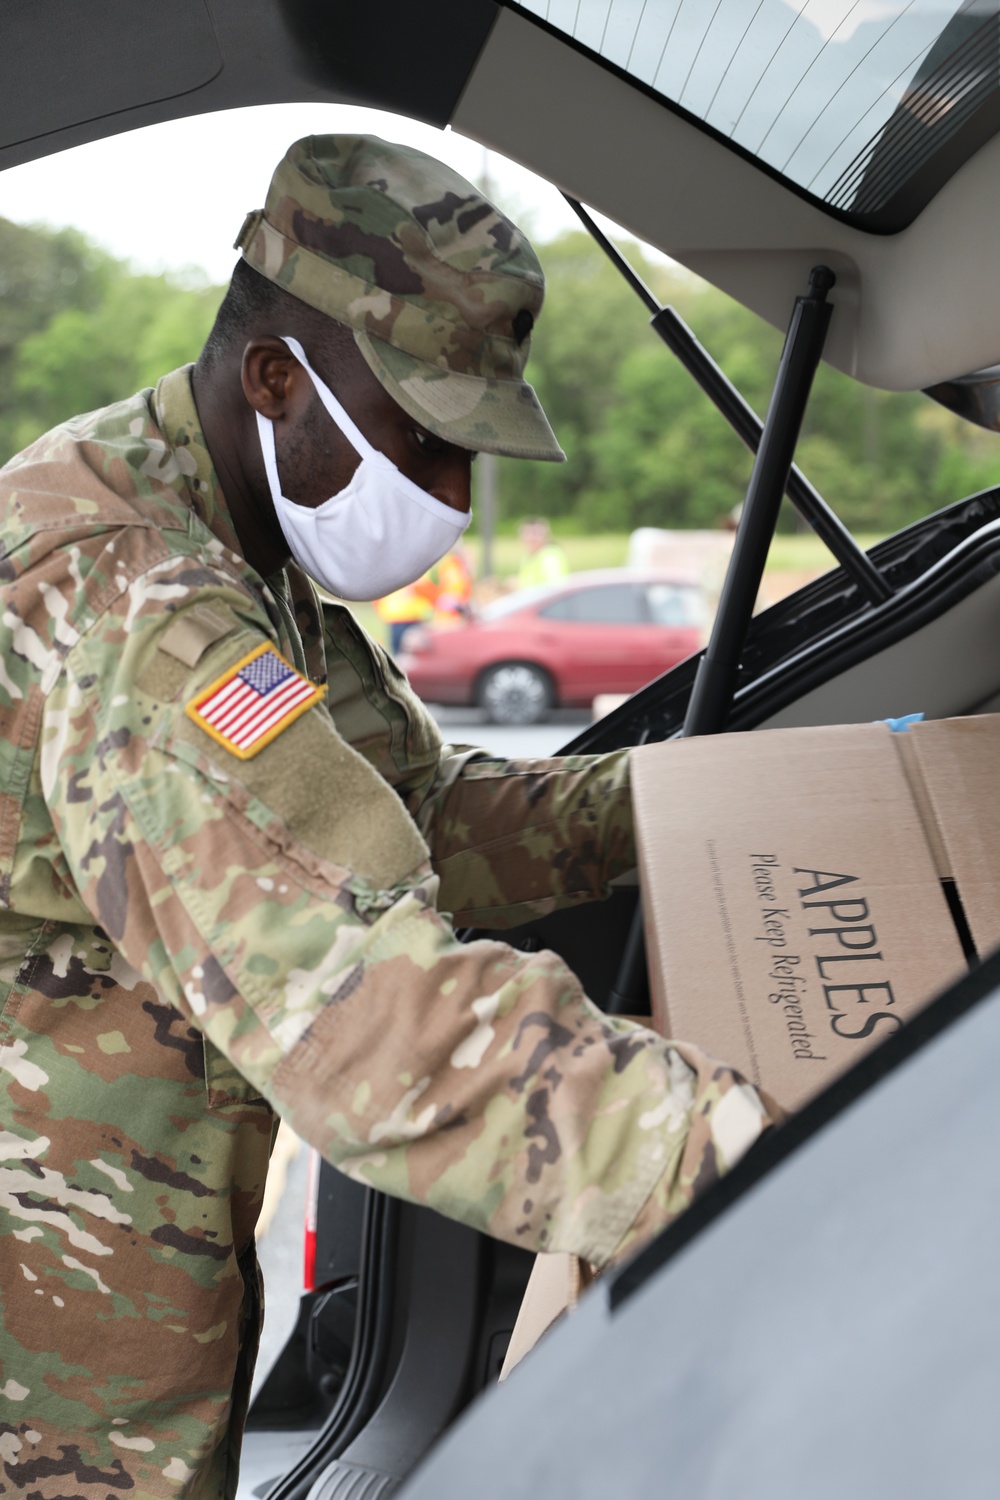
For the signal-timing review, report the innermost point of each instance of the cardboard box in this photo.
(554, 1286)
(806, 891)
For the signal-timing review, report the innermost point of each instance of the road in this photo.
(468, 726)
(280, 1246)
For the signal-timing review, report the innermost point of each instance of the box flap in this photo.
(905, 745)
(959, 764)
(553, 1287)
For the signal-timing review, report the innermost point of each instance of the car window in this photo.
(846, 101)
(563, 608)
(610, 604)
(672, 605)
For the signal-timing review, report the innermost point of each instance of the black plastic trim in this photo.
(808, 635)
(939, 590)
(434, 46)
(364, 1382)
(924, 142)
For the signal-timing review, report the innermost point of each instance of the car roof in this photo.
(591, 577)
(915, 271)
(572, 583)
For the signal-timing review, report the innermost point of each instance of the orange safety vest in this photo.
(454, 589)
(415, 601)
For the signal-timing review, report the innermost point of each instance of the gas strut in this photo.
(712, 694)
(708, 707)
(744, 421)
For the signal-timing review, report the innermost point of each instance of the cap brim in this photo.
(489, 416)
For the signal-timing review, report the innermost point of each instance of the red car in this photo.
(560, 645)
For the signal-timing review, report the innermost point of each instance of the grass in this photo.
(606, 550)
(791, 553)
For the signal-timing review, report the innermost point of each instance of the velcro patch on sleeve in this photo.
(252, 702)
(190, 635)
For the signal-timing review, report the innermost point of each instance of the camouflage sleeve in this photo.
(285, 905)
(510, 840)
(514, 839)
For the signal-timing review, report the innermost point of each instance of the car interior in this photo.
(832, 167)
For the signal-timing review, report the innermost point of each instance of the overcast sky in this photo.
(175, 195)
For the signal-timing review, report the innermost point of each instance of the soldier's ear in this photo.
(274, 383)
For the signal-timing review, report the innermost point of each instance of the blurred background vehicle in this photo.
(560, 645)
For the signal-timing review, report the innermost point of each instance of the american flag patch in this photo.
(254, 701)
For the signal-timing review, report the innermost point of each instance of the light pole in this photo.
(486, 469)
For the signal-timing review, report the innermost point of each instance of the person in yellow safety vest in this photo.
(407, 606)
(546, 562)
(454, 581)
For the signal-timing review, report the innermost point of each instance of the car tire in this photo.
(515, 692)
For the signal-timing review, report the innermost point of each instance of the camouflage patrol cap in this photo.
(440, 288)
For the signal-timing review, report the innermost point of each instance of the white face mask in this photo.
(380, 532)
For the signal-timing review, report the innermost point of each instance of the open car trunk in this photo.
(431, 1306)
(822, 1323)
(908, 628)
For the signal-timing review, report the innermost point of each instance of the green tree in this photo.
(79, 329)
(42, 273)
(590, 322)
(84, 358)
(646, 447)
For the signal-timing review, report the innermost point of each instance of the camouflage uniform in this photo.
(191, 940)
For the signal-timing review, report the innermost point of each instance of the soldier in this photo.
(230, 838)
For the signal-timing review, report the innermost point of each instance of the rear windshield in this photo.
(846, 99)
